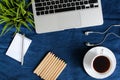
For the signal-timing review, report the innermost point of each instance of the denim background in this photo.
(67, 44)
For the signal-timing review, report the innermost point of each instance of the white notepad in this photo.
(15, 49)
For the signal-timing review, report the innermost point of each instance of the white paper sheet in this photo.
(15, 49)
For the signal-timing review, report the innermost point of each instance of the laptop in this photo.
(56, 15)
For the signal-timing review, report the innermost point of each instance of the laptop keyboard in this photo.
(44, 7)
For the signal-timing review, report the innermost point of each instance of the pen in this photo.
(22, 52)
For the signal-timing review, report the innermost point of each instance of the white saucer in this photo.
(91, 72)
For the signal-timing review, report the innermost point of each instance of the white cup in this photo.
(90, 58)
(101, 63)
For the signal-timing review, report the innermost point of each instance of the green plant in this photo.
(15, 13)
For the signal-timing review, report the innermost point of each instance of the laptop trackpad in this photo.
(59, 21)
(68, 20)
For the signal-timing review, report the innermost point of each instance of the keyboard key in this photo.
(57, 2)
(46, 7)
(60, 6)
(74, 0)
(65, 1)
(85, 2)
(53, 2)
(91, 5)
(77, 3)
(65, 9)
(42, 0)
(83, 7)
(51, 11)
(51, 7)
(87, 7)
(40, 8)
(38, 5)
(70, 0)
(73, 4)
(46, 12)
(68, 4)
(48, 3)
(93, 1)
(61, 1)
(42, 13)
(44, 4)
(81, 3)
(38, 13)
(78, 7)
(37, 1)
(96, 5)
(54, 6)
(64, 5)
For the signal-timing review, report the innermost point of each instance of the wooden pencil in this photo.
(46, 67)
(46, 62)
(47, 56)
(59, 72)
(56, 67)
(52, 69)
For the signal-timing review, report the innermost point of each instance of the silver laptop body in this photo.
(89, 14)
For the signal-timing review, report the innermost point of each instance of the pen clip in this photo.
(22, 50)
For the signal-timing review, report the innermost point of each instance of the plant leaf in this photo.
(14, 13)
(1, 22)
(28, 5)
(25, 24)
(30, 15)
(18, 27)
(11, 1)
(8, 29)
(13, 10)
(7, 3)
(5, 18)
(17, 4)
(2, 7)
(31, 22)
(23, 3)
(7, 12)
(22, 10)
(18, 10)
(5, 27)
